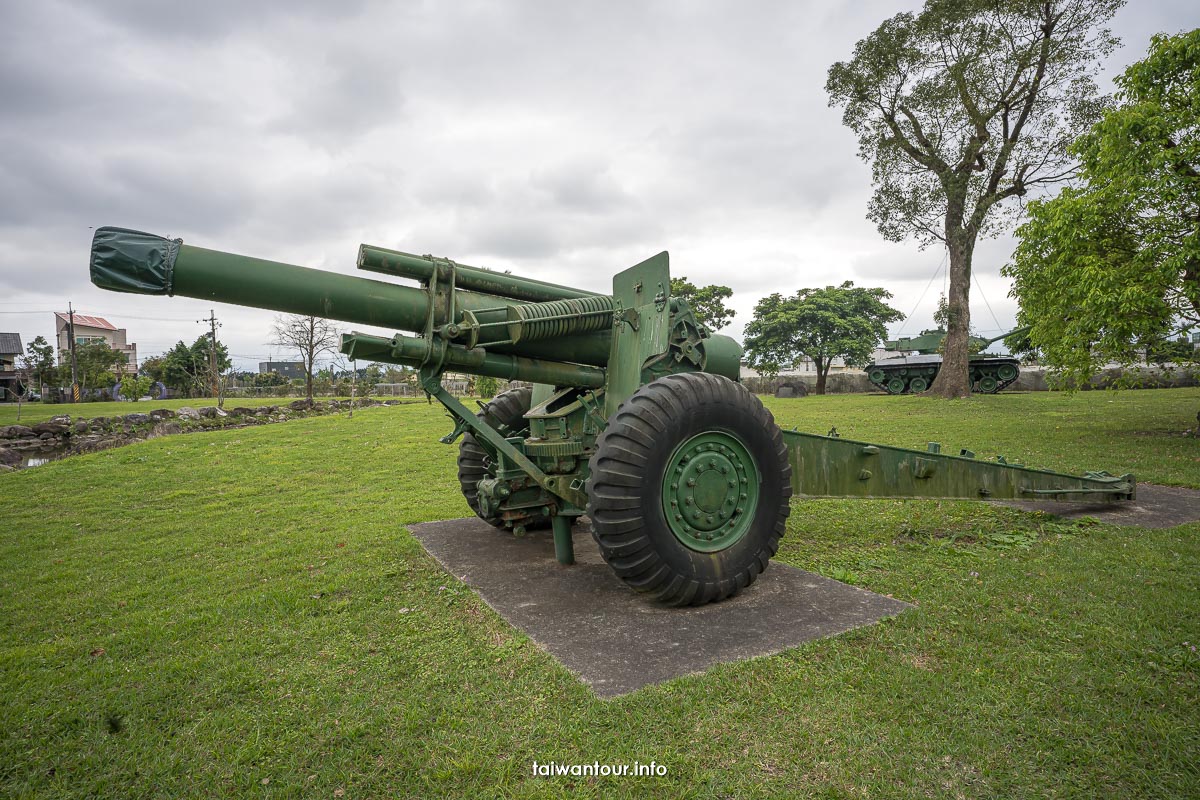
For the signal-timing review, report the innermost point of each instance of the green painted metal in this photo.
(709, 491)
(413, 352)
(422, 268)
(930, 341)
(564, 547)
(586, 354)
(141, 263)
(830, 466)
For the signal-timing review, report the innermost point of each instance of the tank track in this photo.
(915, 374)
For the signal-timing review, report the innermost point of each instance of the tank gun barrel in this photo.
(1013, 332)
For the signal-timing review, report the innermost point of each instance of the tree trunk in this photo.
(822, 371)
(954, 377)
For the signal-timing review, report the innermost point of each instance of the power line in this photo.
(932, 278)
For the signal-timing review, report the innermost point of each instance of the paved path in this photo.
(1155, 507)
(616, 640)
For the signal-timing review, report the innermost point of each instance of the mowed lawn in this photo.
(242, 614)
(38, 412)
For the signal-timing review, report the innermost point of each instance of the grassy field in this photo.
(241, 613)
(39, 412)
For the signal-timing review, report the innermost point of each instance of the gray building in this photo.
(286, 369)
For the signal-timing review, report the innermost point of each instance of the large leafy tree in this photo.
(97, 365)
(189, 369)
(38, 363)
(706, 302)
(961, 107)
(822, 324)
(1110, 268)
(308, 336)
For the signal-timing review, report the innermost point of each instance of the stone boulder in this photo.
(53, 428)
(242, 411)
(300, 405)
(165, 429)
(9, 457)
(16, 432)
(137, 419)
(792, 389)
(159, 414)
(187, 412)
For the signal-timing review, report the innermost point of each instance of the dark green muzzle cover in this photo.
(133, 261)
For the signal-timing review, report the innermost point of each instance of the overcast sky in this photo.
(560, 140)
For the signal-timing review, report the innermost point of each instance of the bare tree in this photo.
(310, 337)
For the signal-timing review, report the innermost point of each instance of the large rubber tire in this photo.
(506, 413)
(626, 488)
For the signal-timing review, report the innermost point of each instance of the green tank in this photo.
(913, 374)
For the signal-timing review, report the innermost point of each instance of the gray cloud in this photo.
(564, 141)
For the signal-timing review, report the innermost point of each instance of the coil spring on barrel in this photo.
(560, 318)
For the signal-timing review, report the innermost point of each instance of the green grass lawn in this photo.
(40, 412)
(241, 613)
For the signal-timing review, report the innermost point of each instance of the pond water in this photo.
(36, 458)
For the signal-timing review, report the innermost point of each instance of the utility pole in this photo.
(71, 346)
(212, 356)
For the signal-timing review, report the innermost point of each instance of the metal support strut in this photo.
(564, 547)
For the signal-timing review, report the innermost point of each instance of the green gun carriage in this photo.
(635, 415)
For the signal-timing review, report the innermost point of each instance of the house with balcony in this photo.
(90, 329)
(10, 351)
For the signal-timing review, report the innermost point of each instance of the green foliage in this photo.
(97, 365)
(188, 369)
(486, 386)
(265, 380)
(152, 368)
(1111, 268)
(706, 302)
(837, 321)
(961, 107)
(133, 387)
(38, 363)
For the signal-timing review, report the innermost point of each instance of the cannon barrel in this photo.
(422, 268)
(142, 263)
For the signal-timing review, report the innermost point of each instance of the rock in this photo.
(299, 405)
(159, 414)
(166, 429)
(6, 468)
(221, 413)
(187, 412)
(137, 419)
(15, 432)
(81, 426)
(61, 419)
(242, 411)
(53, 428)
(9, 457)
(47, 435)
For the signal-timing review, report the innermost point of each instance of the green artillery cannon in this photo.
(635, 417)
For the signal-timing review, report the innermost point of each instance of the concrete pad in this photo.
(1155, 507)
(614, 639)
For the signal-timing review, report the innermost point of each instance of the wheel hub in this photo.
(710, 490)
